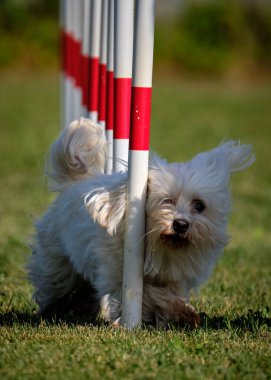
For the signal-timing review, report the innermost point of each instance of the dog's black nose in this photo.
(180, 226)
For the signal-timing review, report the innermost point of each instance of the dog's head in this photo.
(187, 205)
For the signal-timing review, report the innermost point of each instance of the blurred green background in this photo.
(214, 38)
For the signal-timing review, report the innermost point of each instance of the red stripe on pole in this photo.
(93, 84)
(73, 57)
(102, 93)
(85, 81)
(77, 62)
(140, 118)
(122, 107)
(109, 100)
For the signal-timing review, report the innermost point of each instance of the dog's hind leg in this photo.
(52, 275)
(80, 302)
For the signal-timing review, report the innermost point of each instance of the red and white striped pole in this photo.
(109, 125)
(102, 69)
(68, 46)
(73, 55)
(77, 61)
(85, 56)
(95, 34)
(138, 164)
(123, 56)
(63, 63)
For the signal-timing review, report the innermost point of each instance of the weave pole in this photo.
(134, 109)
(134, 246)
(77, 61)
(102, 68)
(109, 125)
(63, 63)
(67, 53)
(85, 56)
(123, 60)
(73, 52)
(94, 59)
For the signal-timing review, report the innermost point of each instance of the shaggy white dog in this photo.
(82, 232)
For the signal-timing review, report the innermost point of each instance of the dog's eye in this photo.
(198, 205)
(167, 201)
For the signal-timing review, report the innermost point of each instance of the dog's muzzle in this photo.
(176, 236)
(180, 226)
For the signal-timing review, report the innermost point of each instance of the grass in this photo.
(234, 339)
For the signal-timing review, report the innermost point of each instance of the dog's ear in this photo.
(107, 207)
(237, 155)
(227, 158)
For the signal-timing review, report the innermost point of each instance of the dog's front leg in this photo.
(163, 306)
(111, 308)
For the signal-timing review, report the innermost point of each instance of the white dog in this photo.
(82, 232)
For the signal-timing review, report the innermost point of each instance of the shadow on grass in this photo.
(251, 321)
(14, 317)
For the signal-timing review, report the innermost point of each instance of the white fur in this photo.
(82, 232)
(78, 153)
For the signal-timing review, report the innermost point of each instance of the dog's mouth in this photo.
(174, 239)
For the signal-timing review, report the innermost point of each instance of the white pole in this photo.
(110, 88)
(69, 114)
(73, 15)
(138, 164)
(102, 69)
(95, 33)
(85, 56)
(77, 30)
(63, 65)
(123, 56)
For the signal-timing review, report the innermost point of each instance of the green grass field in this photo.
(234, 339)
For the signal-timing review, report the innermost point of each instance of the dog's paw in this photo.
(186, 315)
(116, 323)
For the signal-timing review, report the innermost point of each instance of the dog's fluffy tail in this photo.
(77, 154)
